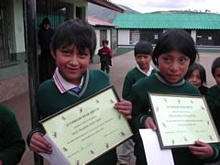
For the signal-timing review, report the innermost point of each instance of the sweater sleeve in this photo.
(216, 154)
(127, 87)
(213, 100)
(140, 110)
(13, 144)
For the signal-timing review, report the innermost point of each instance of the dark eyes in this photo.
(169, 60)
(68, 52)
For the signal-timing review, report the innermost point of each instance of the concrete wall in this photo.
(97, 31)
(14, 78)
(18, 26)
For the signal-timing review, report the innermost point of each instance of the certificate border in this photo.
(83, 100)
(164, 146)
(79, 102)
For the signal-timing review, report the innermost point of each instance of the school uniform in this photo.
(155, 83)
(132, 77)
(12, 144)
(56, 94)
(213, 100)
(203, 89)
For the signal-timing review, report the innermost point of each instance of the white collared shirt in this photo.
(62, 84)
(146, 73)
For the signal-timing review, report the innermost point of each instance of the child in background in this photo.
(197, 76)
(213, 94)
(174, 52)
(143, 55)
(12, 144)
(72, 46)
(105, 55)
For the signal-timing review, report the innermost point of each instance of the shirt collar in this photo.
(62, 84)
(145, 73)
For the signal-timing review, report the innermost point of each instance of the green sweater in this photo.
(12, 145)
(141, 106)
(50, 101)
(213, 100)
(132, 77)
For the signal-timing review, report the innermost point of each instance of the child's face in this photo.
(173, 66)
(195, 78)
(143, 61)
(217, 76)
(72, 63)
(105, 45)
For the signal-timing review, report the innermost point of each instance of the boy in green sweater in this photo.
(174, 52)
(12, 144)
(72, 46)
(213, 94)
(143, 54)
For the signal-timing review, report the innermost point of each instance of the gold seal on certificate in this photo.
(182, 119)
(88, 129)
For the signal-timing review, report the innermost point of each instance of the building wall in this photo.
(123, 37)
(14, 78)
(19, 36)
(97, 31)
(200, 37)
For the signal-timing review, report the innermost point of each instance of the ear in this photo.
(53, 54)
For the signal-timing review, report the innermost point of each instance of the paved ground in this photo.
(121, 64)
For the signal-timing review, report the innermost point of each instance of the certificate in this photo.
(89, 128)
(182, 119)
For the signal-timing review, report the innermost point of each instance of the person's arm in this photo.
(140, 108)
(127, 86)
(213, 100)
(99, 52)
(12, 141)
(38, 143)
(208, 153)
(110, 52)
(124, 107)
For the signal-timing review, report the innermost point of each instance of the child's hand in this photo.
(201, 150)
(1, 162)
(124, 107)
(149, 123)
(39, 144)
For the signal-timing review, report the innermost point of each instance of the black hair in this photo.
(175, 40)
(75, 32)
(215, 65)
(104, 42)
(143, 47)
(46, 21)
(200, 68)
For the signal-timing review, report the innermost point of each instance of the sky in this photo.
(146, 6)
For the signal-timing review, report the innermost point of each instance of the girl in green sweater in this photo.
(174, 53)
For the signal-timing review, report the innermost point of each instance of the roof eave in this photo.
(107, 4)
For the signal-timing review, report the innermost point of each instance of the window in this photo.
(103, 36)
(134, 36)
(5, 58)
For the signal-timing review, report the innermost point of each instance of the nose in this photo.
(194, 78)
(142, 59)
(174, 67)
(74, 59)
